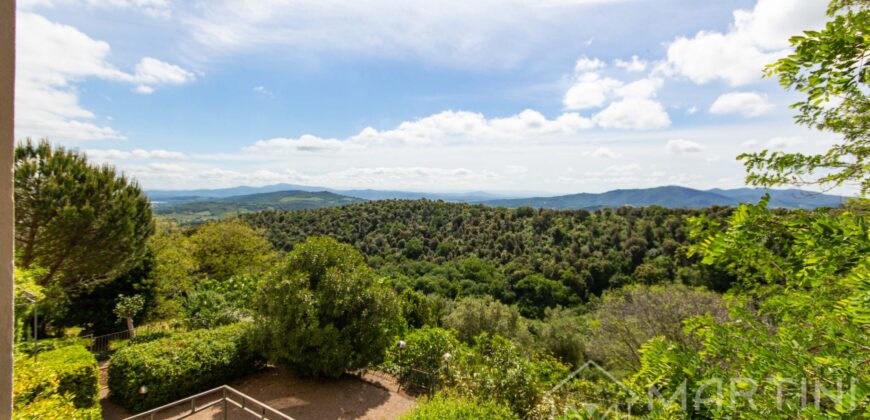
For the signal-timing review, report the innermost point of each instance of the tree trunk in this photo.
(130, 327)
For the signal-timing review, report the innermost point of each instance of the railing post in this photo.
(226, 406)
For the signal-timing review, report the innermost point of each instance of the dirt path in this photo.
(370, 397)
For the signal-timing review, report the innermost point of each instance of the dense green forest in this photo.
(456, 249)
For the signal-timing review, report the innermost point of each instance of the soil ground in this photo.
(367, 396)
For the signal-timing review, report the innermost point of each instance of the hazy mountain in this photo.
(675, 197)
(791, 199)
(201, 194)
(219, 208)
(165, 197)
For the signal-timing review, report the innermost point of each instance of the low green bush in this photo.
(448, 407)
(59, 384)
(148, 335)
(420, 361)
(143, 376)
(496, 368)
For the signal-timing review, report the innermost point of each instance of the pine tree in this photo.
(83, 223)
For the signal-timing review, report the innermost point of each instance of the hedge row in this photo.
(58, 384)
(144, 376)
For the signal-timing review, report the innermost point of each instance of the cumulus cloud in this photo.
(633, 114)
(52, 59)
(633, 65)
(585, 64)
(756, 37)
(680, 146)
(641, 89)
(590, 90)
(748, 104)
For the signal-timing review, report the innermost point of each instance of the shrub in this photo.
(473, 316)
(55, 406)
(144, 376)
(61, 384)
(326, 312)
(628, 317)
(444, 406)
(495, 368)
(145, 336)
(420, 361)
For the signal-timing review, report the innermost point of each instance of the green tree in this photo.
(175, 269)
(127, 307)
(325, 312)
(230, 247)
(83, 223)
(830, 68)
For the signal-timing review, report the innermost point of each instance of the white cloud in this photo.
(589, 91)
(263, 91)
(635, 65)
(756, 37)
(52, 59)
(135, 154)
(693, 109)
(641, 89)
(784, 142)
(151, 71)
(633, 114)
(156, 8)
(489, 33)
(748, 104)
(585, 64)
(461, 127)
(306, 143)
(679, 147)
(604, 152)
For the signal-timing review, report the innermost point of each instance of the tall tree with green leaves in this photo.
(830, 67)
(83, 223)
(326, 312)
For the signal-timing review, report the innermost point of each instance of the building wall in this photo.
(7, 221)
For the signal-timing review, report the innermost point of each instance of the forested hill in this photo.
(454, 249)
(219, 208)
(676, 197)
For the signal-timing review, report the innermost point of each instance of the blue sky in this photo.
(554, 96)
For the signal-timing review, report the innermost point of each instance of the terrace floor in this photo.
(350, 397)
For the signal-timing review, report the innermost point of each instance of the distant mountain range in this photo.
(193, 206)
(676, 197)
(163, 197)
(205, 209)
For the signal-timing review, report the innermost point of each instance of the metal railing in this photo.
(101, 343)
(226, 396)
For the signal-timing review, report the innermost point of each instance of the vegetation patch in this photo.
(147, 375)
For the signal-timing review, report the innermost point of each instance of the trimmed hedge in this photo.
(61, 384)
(178, 366)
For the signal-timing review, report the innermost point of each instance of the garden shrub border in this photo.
(147, 375)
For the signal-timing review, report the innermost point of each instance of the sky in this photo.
(546, 96)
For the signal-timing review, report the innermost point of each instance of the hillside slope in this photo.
(213, 209)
